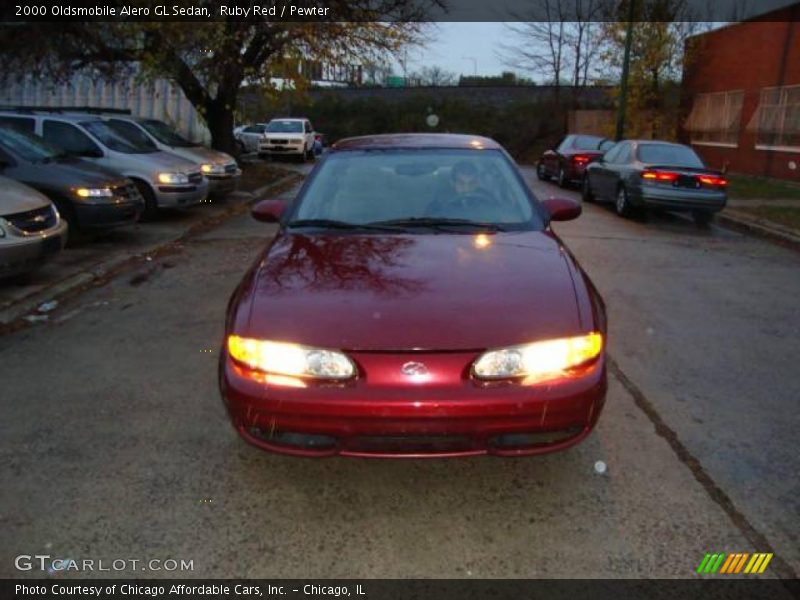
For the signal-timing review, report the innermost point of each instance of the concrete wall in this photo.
(484, 95)
(747, 56)
(160, 100)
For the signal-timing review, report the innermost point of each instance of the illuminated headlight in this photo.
(173, 178)
(94, 192)
(210, 169)
(282, 358)
(539, 361)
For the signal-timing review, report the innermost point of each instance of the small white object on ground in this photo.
(47, 306)
(600, 467)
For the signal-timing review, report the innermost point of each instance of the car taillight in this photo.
(665, 176)
(581, 159)
(712, 180)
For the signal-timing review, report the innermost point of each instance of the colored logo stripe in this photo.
(734, 563)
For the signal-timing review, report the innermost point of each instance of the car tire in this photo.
(622, 203)
(562, 178)
(150, 202)
(586, 190)
(702, 218)
(541, 173)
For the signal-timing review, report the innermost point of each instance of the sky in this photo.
(452, 43)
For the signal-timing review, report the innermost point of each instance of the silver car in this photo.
(221, 170)
(163, 179)
(31, 230)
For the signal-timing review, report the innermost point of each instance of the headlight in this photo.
(290, 359)
(539, 361)
(94, 192)
(173, 178)
(210, 169)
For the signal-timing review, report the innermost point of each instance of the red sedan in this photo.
(415, 302)
(567, 160)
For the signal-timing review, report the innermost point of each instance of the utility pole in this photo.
(623, 87)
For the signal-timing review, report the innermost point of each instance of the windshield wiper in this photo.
(439, 223)
(333, 224)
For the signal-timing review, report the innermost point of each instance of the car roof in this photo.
(72, 117)
(288, 119)
(417, 140)
(661, 142)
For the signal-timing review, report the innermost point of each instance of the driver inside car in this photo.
(464, 198)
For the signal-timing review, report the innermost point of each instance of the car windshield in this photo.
(285, 127)
(165, 134)
(114, 138)
(417, 190)
(586, 142)
(669, 154)
(27, 146)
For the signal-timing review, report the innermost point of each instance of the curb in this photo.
(11, 316)
(761, 229)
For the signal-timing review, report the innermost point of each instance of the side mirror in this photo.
(268, 211)
(562, 209)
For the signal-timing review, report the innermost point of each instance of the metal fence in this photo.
(160, 99)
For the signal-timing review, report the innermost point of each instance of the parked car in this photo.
(250, 136)
(567, 160)
(31, 230)
(294, 137)
(163, 179)
(638, 174)
(415, 302)
(220, 169)
(88, 196)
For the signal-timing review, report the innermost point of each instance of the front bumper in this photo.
(390, 419)
(104, 216)
(679, 199)
(223, 184)
(280, 149)
(181, 195)
(21, 253)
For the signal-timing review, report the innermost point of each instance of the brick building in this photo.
(741, 95)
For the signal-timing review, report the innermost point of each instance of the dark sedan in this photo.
(414, 302)
(567, 161)
(87, 196)
(639, 174)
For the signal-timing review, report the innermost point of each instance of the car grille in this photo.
(278, 141)
(230, 168)
(35, 220)
(195, 177)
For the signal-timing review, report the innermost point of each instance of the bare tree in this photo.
(555, 40)
(437, 76)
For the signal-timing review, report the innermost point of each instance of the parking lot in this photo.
(115, 442)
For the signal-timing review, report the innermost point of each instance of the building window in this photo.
(715, 119)
(777, 119)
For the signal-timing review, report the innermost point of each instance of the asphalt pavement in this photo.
(114, 442)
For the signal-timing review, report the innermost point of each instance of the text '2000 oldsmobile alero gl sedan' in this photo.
(414, 302)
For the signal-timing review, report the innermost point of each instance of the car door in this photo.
(601, 173)
(71, 139)
(251, 136)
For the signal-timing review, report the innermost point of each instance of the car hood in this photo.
(16, 197)
(404, 292)
(73, 172)
(201, 154)
(285, 136)
(168, 161)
